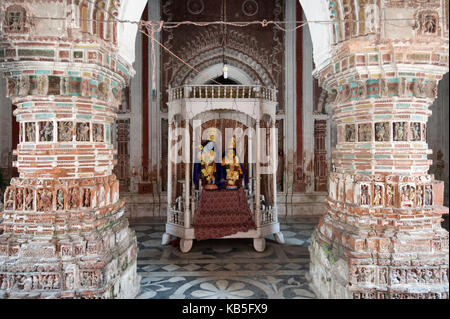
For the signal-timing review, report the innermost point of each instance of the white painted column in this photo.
(136, 111)
(251, 151)
(169, 170)
(155, 139)
(308, 107)
(290, 100)
(258, 179)
(274, 154)
(187, 175)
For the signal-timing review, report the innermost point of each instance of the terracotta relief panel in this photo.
(364, 132)
(83, 132)
(382, 132)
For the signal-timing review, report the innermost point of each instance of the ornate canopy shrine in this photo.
(191, 108)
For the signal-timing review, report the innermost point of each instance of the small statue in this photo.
(232, 165)
(207, 156)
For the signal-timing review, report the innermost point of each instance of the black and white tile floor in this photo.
(225, 268)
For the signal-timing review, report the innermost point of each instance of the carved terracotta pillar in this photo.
(64, 231)
(381, 236)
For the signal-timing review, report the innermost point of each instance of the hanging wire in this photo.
(150, 26)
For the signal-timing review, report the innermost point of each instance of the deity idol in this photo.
(232, 166)
(207, 156)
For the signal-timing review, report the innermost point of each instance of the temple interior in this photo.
(224, 149)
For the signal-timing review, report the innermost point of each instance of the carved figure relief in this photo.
(428, 195)
(19, 199)
(42, 85)
(9, 198)
(382, 133)
(424, 132)
(29, 199)
(365, 197)
(86, 199)
(412, 195)
(73, 198)
(83, 132)
(85, 88)
(12, 87)
(98, 133)
(15, 19)
(350, 133)
(46, 131)
(44, 200)
(60, 199)
(24, 85)
(419, 196)
(428, 22)
(90, 279)
(408, 195)
(364, 132)
(65, 131)
(415, 131)
(54, 85)
(377, 197)
(383, 276)
(400, 133)
(102, 91)
(69, 281)
(30, 132)
(389, 195)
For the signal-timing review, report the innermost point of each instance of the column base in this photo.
(338, 273)
(97, 265)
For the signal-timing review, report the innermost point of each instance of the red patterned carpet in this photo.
(222, 213)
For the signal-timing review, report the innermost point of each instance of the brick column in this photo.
(64, 231)
(381, 236)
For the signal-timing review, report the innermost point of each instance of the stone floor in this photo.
(225, 268)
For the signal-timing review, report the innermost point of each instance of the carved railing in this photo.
(222, 92)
